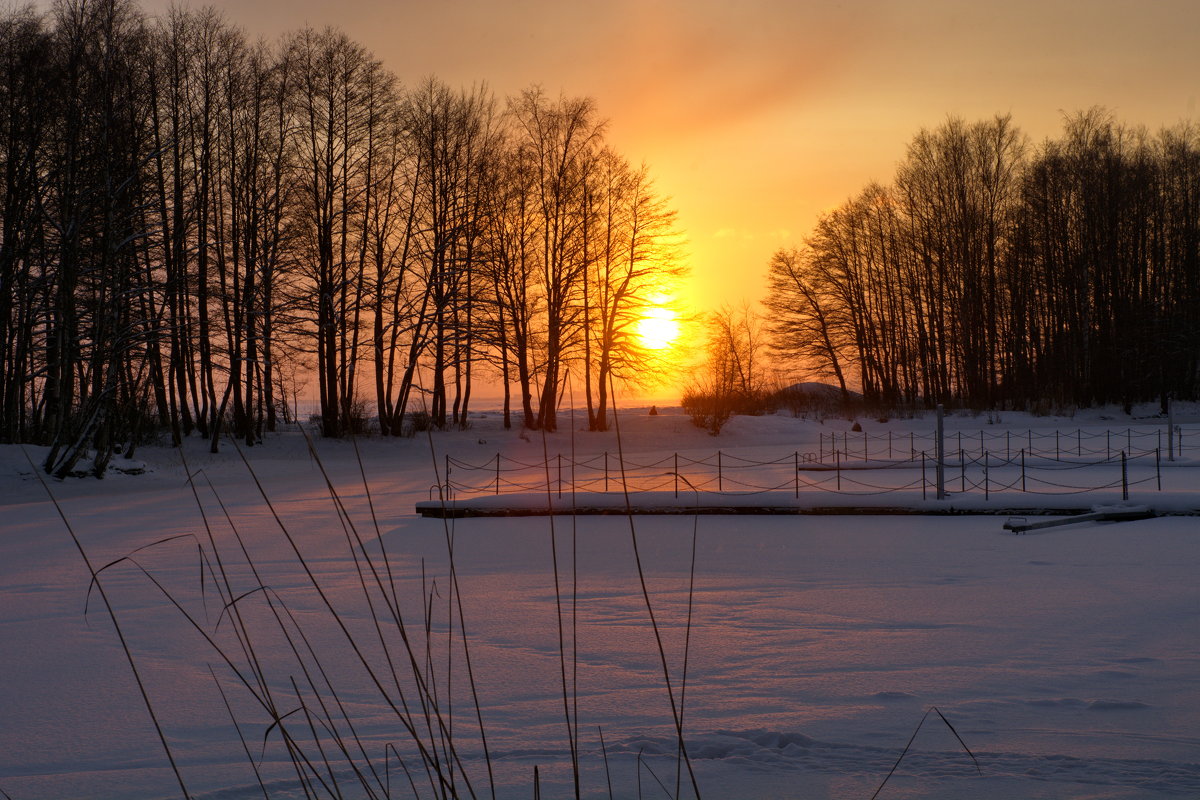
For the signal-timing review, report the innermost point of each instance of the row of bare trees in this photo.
(995, 273)
(194, 226)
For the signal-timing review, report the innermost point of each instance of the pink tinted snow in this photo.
(1066, 659)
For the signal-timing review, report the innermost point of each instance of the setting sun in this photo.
(658, 327)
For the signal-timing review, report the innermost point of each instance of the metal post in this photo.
(796, 475)
(497, 473)
(720, 475)
(865, 457)
(1008, 445)
(923, 482)
(889, 444)
(837, 460)
(677, 474)
(606, 469)
(1107, 445)
(940, 450)
(560, 474)
(986, 494)
(1057, 449)
(1158, 468)
(1170, 428)
(962, 472)
(1124, 478)
(1022, 469)
(1078, 443)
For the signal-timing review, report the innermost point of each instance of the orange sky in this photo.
(756, 115)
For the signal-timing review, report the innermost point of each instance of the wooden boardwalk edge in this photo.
(462, 510)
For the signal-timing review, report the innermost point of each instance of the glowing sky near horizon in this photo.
(756, 116)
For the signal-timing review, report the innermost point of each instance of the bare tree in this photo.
(632, 261)
(332, 85)
(27, 95)
(803, 325)
(561, 140)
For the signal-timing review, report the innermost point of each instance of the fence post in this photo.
(796, 474)
(821, 446)
(1124, 478)
(497, 473)
(677, 474)
(924, 495)
(837, 460)
(1158, 468)
(560, 474)
(1107, 445)
(865, 446)
(982, 447)
(940, 450)
(1170, 428)
(889, 444)
(720, 474)
(1022, 469)
(606, 469)
(962, 472)
(1029, 440)
(986, 491)
(912, 446)
(1008, 445)
(1057, 448)
(447, 474)
(1078, 443)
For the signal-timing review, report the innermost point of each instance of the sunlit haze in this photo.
(658, 327)
(755, 117)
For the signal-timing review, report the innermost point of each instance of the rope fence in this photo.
(851, 471)
(1057, 444)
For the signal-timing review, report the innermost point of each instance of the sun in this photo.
(657, 327)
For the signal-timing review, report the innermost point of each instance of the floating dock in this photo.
(782, 503)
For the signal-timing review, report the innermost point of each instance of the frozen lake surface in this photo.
(1068, 660)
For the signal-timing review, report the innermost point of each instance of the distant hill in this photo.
(815, 396)
(816, 390)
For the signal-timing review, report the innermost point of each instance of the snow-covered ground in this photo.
(1068, 660)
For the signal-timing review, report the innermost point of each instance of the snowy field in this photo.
(1068, 660)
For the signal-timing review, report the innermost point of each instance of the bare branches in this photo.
(195, 226)
(987, 275)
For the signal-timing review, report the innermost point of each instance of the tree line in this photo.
(194, 224)
(993, 273)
